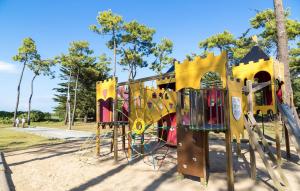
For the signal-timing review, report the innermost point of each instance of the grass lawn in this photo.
(12, 140)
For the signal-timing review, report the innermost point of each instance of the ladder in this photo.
(273, 168)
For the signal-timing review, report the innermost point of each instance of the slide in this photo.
(292, 124)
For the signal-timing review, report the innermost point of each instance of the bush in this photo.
(5, 120)
(48, 116)
(37, 116)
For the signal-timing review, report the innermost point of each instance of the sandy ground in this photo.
(72, 166)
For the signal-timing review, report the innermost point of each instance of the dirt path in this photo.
(54, 133)
(66, 166)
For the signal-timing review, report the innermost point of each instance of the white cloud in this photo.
(7, 67)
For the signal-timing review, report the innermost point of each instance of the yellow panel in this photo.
(165, 81)
(160, 106)
(106, 89)
(189, 73)
(248, 71)
(137, 101)
(163, 104)
(237, 126)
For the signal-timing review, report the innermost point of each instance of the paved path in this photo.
(57, 133)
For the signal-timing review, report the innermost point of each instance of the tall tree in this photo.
(136, 43)
(265, 22)
(26, 53)
(110, 24)
(282, 45)
(86, 91)
(222, 41)
(295, 60)
(162, 53)
(38, 67)
(78, 57)
(87, 86)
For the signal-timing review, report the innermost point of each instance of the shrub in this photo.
(37, 116)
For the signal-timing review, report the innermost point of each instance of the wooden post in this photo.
(251, 149)
(123, 137)
(238, 148)
(278, 149)
(98, 140)
(129, 127)
(207, 148)
(178, 121)
(98, 128)
(204, 179)
(229, 161)
(287, 142)
(116, 143)
(115, 124)
(142, 143)
(229, 166)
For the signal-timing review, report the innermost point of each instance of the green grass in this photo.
(11, 140)
(5, 125)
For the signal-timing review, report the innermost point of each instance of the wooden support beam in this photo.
(115, 143)
(238, 149)
(277, 139)
(287, 142)
(256, 87)
(123, 137)
(142, 143)
(116, 126)
(229, 161)
(259, 86)
(98, 140)
(112, 141)
(228, 144)
(178, 119)
(251, 148)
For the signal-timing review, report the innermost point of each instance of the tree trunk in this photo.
(85, 118)
(66, 114)
(29, 102)
(68, 101)
(282, 47)
(75, 97)
(115, 54)
(18, 94)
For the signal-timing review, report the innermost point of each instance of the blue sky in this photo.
(53, 24)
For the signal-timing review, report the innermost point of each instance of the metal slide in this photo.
(291, 121)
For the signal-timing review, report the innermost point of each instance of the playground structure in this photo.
(184, 108)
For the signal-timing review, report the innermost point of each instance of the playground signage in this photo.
(236, 107)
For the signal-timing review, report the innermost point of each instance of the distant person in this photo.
(17, 122)
(23, 122)
(279, 91)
